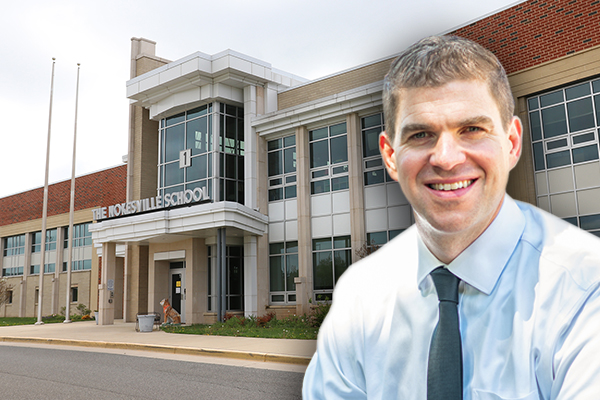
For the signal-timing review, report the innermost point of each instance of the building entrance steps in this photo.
(122, 335)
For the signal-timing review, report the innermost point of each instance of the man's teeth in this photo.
(451, 186)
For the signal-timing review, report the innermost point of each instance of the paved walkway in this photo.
(122, 335)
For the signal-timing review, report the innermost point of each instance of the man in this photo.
(528, 298)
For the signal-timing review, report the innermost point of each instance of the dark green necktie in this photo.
(444, 371)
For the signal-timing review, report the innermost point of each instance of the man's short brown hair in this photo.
(437, 60)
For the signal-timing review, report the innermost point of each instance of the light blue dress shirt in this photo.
(529, 311)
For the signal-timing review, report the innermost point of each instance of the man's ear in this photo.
(386, 149)
(515, 137)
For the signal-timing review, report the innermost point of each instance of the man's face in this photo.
(452, 156)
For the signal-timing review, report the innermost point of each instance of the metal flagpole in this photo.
(45, 206)
(71, 235)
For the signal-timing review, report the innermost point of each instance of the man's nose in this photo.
(447, 152)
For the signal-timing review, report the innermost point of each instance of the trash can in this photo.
(146, 322)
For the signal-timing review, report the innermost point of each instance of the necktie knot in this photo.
(446, 284)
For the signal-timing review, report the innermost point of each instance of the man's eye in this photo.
(473, 129)
(420, 135)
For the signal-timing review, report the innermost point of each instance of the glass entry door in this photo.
(177, 290)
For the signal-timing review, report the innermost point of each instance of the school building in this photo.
(250, 190)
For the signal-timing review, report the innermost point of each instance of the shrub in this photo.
(318, 314)
(265, 319)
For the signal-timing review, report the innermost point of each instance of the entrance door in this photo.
(177, 289)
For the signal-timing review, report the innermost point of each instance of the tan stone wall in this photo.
(333, 85)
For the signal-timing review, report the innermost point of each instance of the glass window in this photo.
(558, 159)
(329, 151)
(14, 245)
(319, 154)
(536, 126)
(586, 153)
(578, 91)
(554, 121)
(556, 144)
(283, 268)
(581, 114)
(331, 258)
(282, 165)
(587, 137)
(551, 98)
(538, 156)
(533, 103)
(590, 222)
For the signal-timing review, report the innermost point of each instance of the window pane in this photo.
(342, 259)
(571, 220)
(586, 153)
(371, 142)
(198, 169)
(538, 156)
(558, 159)
(551, 98)
(338, 129)
(322, 271)
(581, 114)
(533, 103)
(377, 238)
(597, 104)
(321, 244)
(173, 174)
(230, 190)
(596, 86)
(290, 160)
(291, 264)
(536, 126)
(590, 222)
(290, 192)
(374, 177)
(197, 136)
(373, 120)
(273, 144)
(289, 141)
(578, 91)
(196, 112)
(587, 137)
(339, 150)
(374, 163)
(554, 121)
(175, 119)
(276, 194)
(174, 142)
(556, 144)
(339, 183)
(318, 134)
(341, 242)
(319, 154)
(319, 187)
(276, 274)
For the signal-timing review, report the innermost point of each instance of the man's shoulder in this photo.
(562, 245)
(388, 268)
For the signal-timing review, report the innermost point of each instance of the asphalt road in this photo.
(47, 373)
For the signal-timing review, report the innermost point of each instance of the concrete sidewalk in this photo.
(122, 335)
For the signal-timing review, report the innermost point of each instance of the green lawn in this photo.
(11, 321)
(264, 327)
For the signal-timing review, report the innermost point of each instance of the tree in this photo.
(367, 249)
(5, 290)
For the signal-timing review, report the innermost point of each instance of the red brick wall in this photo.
(537, 31)
(93, 190)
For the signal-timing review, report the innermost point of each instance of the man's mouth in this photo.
(451, 186)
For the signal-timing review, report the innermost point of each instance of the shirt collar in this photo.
(480, 264)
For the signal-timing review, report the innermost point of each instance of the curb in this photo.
(241, 355)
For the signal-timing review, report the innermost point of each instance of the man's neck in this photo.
(446, 246)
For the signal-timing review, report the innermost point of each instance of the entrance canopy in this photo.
(169, 224)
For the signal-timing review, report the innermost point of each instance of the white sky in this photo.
(308, 38)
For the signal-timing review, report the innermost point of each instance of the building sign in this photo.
(152, 204)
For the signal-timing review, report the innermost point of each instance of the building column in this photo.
(304, 281)
(357, 201)
(106, 310)
(250, 276)
(196, 275)
(250, 148)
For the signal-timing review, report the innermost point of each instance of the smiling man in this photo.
(484, 297)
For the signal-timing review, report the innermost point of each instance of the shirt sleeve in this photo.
(334, 372)
(576, 366)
